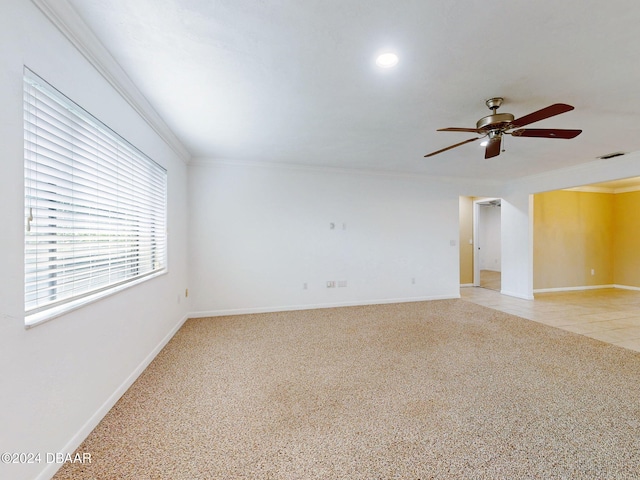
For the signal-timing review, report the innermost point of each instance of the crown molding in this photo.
(633, 188)
(590, 189)
(595, 189)
(216, 162)
(73, 27)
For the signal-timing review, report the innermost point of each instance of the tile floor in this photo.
(490, 279)
(611, 315)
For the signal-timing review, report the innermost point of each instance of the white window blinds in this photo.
(95, 205)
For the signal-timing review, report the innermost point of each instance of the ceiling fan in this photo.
(497, 124)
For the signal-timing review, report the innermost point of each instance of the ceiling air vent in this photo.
(611, 155)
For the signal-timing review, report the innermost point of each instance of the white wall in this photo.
(58, 378)
(517, 245)
(259, 234)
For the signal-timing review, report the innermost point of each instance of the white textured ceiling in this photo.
(294, 81)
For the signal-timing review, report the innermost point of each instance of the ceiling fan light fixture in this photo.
(484, 143)
(387, 60)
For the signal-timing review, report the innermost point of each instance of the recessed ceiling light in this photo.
(387, 60)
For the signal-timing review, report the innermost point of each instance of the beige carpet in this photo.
(443, 389)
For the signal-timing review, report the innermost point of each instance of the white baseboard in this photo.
(627, 287)
(463, 285)
(95, 419)
(572, 289)
(286, 308)
(516, 295)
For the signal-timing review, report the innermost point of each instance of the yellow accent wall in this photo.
(627, 239)
(573, 235)
(466, 233)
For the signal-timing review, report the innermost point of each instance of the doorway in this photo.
(487, 245)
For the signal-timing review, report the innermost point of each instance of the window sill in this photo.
(39, 318)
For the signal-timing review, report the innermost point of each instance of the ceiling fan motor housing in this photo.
(495, 121)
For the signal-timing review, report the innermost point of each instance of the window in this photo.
(95, 206)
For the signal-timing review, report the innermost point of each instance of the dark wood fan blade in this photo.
(493, 147)
(455, 129)
(449, 148)
(550, 111)
(546, 133)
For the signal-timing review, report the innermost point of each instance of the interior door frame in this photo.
(476, 237)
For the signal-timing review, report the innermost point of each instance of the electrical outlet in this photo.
(331, 284)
